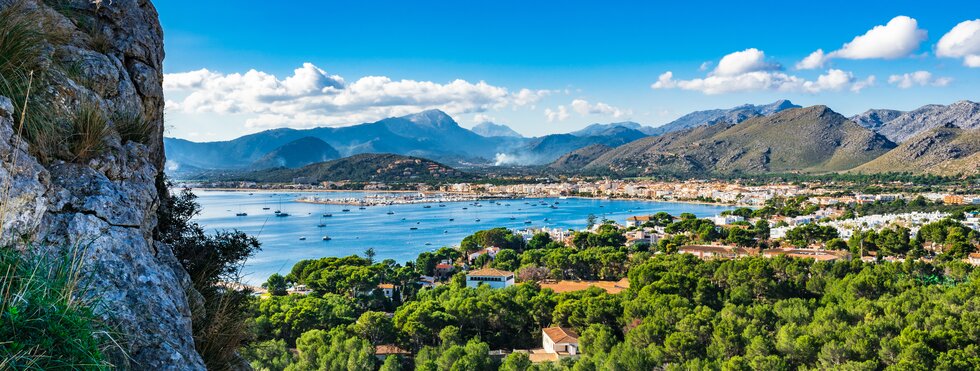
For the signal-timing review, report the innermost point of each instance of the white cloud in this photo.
(918, 78)
(312, 97)
(963, 41)
(558, 114)
(748, 70)
(860, 85)
(480, 118)
(742, 62)
(900, 37)
(584, 108)
(813, 61)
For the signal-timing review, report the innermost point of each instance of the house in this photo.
(444, 269)
(387, 289)
(383, 351)
(726, 219)
(973, 258)
(560, 340)
(427, 281)
(495, 278)
(491, 251)
(720, 252)
(816, 254)
(636, 221)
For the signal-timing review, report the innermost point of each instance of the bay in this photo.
(287, 240)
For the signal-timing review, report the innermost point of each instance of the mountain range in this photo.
(780, 136)
(366, 167)
(489, 129)
(899, 126)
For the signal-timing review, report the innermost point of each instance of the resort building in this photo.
(495, 278)
(491, 251)
(387, 289)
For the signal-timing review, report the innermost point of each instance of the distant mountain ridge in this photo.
(812, 139)
(300, 152)
(489, 129)
(946, 150)
(898, 128)
(732, 115)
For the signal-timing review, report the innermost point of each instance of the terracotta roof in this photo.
(490, 272)
(389, 349)
(561, 335)
(443, 266)
(386, 286)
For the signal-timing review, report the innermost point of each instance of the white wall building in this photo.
(495, 278)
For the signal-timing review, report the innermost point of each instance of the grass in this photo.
(46, 322)
(132, 126)
(87, 132)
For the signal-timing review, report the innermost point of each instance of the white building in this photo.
(726, 219)
(559, 340)
(495, 278)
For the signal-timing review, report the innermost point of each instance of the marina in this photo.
(395, 231)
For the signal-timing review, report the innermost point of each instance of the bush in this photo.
(213, 263)
(46, 322)
(133, 126)
(87, 132)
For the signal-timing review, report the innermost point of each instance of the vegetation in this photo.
(213, 263)
(133, 126)
(46, 322)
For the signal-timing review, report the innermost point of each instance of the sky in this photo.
(239, 67)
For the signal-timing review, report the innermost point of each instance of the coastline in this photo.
(468, 196)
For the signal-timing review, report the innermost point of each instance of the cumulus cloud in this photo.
(900, 37)
(558, 114)
(584, 108)
(312, 97)
(963, 41)
(918, 78)
(748, 70)
(742, 62)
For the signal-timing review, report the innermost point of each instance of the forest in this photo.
(679, 312)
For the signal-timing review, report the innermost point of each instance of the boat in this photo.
(428, 243)
(554, 207)
(327, 215)
(452, 219)
(265, 208)
(527, 222)
(513, 218)
(465, 208)
(403, 218)
(346, 210)
(277, 211)
(241, 214)
(282, 215)
(444, 232)
(441, 205)
(478, 220)
(413, 228)
(362, 208)
(250, 194)
(326, 238)
(391, 213)
(427, 207)
(302, 238)
(321, 225)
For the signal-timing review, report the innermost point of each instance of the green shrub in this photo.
(133, 126)
(46, 323)
(87, 132)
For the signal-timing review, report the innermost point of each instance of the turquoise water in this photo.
(391, 236)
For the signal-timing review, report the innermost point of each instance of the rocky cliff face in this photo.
(104, 207)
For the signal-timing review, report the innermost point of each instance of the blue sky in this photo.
(552, 66)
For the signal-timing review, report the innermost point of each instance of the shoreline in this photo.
(469, 197)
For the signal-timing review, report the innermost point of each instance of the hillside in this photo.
(813, 139)
(300, 152)
(732, 115)
(489, 129)
(580, 157)
(946, 150)
(874, 118)
(368, 167)
(964, 114)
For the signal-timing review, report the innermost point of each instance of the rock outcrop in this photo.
(104, 207)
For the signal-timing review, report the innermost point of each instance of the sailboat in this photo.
(279, 213)
(326, 238)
